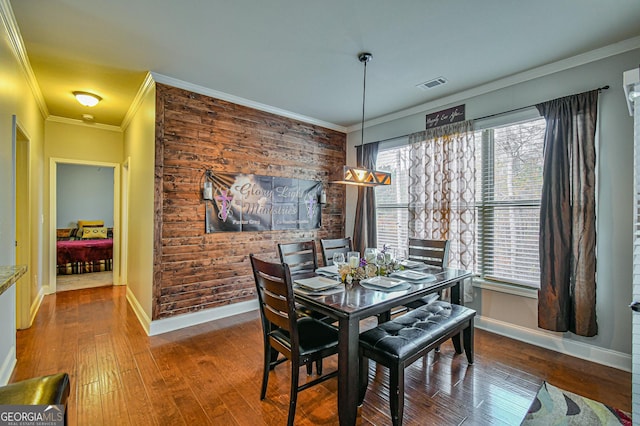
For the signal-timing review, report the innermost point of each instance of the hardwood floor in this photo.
(80, 281)
(210, 373)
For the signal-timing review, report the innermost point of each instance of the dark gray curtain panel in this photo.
(567, 295)
(365, 232)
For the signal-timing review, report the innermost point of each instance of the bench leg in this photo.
(456, 343)
(396, 393)
(468, 341)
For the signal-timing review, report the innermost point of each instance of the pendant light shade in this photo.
(360, 175)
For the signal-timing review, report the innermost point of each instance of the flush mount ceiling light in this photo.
(87, 99)
(360, 175)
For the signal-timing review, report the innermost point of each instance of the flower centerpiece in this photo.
(368, 269)
(363, 270)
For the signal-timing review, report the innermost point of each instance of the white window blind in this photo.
(508, 200)
(392, 202)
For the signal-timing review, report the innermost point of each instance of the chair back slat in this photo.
(331, 246)
(431, 252)
(300, 256)
(275, 296)
(276, 317)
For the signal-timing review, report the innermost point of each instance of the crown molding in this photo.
(242, 101)
(144, 89)
(76, 122)
(17, 47)
(542, 71)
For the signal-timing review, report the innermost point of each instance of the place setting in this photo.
(383, 283)
(317, 286)
(417, 276)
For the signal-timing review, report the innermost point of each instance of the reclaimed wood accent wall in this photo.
(194, 132)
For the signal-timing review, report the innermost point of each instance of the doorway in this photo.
(25, 287)
(80, 271)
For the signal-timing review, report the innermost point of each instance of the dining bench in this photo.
(399, 342)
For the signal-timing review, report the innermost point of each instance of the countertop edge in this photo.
(9, 275)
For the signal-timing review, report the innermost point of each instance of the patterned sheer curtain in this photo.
(442, 190)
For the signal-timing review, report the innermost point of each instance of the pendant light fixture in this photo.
(360, 175)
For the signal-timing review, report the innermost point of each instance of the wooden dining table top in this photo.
(365, 300)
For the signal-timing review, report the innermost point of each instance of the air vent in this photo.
(428, 85)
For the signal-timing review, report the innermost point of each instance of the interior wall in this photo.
(16, 98)
(194, 270)
(615, 181)
(83, 193)
(139, 147)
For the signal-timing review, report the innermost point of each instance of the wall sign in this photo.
(261, 203)
(446, 116)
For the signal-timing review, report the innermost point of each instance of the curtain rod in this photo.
(599, 89)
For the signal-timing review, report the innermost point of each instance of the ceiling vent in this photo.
(428, 85)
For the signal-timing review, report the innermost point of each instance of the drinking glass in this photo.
(389, 256)
(370, 255)
(338, 259)
(380, 262)
(353, 258)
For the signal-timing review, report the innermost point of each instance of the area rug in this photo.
(555, 406)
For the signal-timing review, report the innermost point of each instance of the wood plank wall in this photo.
(194, 132)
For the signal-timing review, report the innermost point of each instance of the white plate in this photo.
(410, 275)
(384, 282)
(411, 264)
(328, 270)
(317, 283)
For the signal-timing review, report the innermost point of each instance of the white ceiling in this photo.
(301, 55)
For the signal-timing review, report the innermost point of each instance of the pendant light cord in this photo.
(364, 92)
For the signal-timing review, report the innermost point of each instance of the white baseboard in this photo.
(35, 306)
(187, 320)
(166, 325)
(555, 342)
(144, 319)
(8, 364)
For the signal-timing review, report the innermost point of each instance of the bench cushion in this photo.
(411, 333)
(46, 390)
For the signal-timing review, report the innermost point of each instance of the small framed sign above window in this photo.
(446, 116)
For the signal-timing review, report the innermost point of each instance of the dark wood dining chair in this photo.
(302, 259)
(336, 245)
(300, 256)
(301, 339)
(433, 253)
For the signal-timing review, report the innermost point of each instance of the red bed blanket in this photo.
(84, 251)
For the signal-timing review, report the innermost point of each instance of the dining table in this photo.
(348, 304)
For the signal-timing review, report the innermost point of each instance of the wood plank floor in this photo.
(210, 374)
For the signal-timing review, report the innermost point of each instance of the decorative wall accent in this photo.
(262, 203)
(446, 116)
(194, 270)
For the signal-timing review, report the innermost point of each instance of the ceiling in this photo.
(300, 56)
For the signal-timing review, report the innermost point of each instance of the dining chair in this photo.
(300, 339)
(336, 245)
(433, 253)
(300, 256)
(302, 259)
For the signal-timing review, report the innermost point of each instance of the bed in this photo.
(84, 250)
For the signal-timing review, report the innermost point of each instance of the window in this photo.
(508, 189)
(508, 192)
(392, 202)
